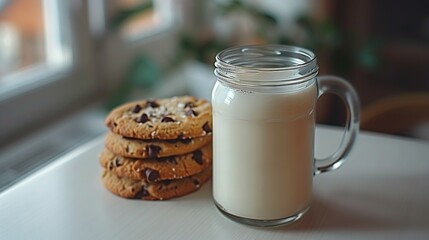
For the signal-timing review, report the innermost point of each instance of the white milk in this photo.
(263, 151)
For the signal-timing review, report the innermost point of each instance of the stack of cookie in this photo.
(158, 149)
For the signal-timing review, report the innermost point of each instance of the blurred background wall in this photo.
(381, 47)
(129, 49)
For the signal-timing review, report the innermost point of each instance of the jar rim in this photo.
(276, 48)
(268, 65)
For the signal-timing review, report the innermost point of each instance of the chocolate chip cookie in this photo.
(172, 118)
(138, 148)
(141, 189)
(158, 169)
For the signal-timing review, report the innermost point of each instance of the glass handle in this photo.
(341, 88)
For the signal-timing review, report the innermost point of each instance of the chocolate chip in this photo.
(196, 182)
(117, 162)
(191, 112)
(142, 193)
(167, 159)
(207, 128)
(136, 109)
(152, 104)
(115, 124)
(151, 174)
(189, 105)
(143, 118)
(198, 157)
(167, 119)
(153, 150)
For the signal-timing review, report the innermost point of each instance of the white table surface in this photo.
(381, 192)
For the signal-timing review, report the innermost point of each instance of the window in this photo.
(59, 54)
(21, 38)
(45, 68)
(32, 42)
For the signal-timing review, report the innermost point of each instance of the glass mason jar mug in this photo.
(263, 132)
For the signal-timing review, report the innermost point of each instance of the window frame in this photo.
(98, 60)
(50, 89)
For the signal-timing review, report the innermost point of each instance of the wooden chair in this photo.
(397, 114)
